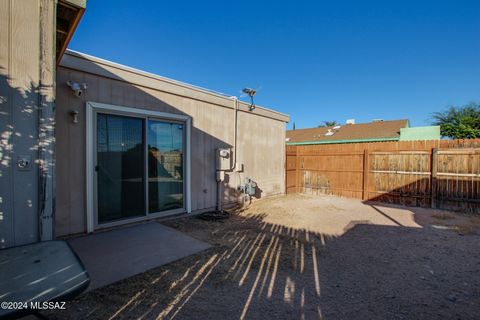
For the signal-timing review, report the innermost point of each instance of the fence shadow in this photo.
(259, 270)
(454, 195)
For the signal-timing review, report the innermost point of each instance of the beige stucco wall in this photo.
(261, 134)
(27, 71)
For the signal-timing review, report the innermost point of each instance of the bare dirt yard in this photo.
(308, 257)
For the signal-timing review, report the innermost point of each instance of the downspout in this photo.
(46, 121)
(235, 112)
(234, 147)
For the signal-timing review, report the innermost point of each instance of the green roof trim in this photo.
(342, 141)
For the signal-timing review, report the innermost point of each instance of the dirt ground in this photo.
(308, 257)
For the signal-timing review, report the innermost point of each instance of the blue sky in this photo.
(315, 60)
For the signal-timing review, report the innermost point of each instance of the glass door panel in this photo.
(120, 167)
(165, 165)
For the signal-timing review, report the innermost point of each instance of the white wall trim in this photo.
(91, 107)
(188, 169)
(90, 168)
(137, 111)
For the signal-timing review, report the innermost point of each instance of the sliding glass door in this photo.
(120, 167)
(139, 167)
(165, 165)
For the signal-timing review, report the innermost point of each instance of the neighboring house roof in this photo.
(362, 132)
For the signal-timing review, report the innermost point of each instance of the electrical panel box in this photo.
(24, 162)
(223, 159)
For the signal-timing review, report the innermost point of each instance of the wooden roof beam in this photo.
(69, 13)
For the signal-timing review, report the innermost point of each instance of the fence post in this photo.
(366, 169)
(285, 169)
(297, 170)
(433, 185)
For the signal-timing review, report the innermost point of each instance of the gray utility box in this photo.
(223, 157)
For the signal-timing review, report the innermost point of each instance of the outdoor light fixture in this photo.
(74, 114)
(251, 93)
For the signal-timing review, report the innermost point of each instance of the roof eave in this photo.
(66, 25)
(86, 63)
(342, 141)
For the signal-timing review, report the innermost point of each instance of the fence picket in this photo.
(443, 174)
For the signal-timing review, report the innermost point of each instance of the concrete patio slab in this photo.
(118, 254)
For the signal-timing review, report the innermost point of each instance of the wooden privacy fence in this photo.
(438, 174)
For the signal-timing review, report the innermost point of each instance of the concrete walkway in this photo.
(118, 254)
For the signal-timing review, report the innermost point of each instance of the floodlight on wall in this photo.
(78, 88)
(251, 93)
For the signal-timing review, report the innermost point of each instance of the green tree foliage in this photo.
(328, 124)
(459, 122)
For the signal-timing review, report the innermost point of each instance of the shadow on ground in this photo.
(260, 270)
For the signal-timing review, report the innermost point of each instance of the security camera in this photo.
(251, 93)
(78, 88)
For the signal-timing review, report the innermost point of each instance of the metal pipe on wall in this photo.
(235, 128)
(234, 163)
(235, 119)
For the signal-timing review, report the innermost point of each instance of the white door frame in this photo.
(91, 109)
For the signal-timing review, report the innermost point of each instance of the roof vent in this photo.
(377, 120)
(329, 133)
(350, 121)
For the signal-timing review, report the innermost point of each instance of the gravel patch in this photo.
(305, 257)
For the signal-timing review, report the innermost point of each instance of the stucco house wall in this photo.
(260, 134)
(27, 74)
